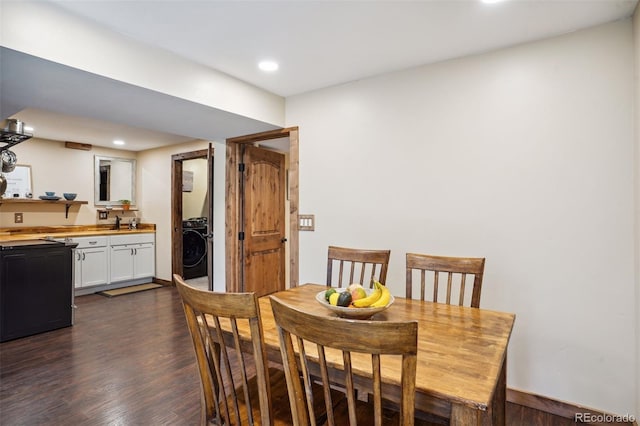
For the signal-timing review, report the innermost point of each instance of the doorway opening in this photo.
(234, 261)
(192, 236)
(240, 262)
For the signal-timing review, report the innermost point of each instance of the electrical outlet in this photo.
(17, 218)
(102, 215)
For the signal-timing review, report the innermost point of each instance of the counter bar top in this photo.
(42, 232)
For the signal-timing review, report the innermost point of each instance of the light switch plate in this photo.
(17, 218)
(102, 215)
(307, 222)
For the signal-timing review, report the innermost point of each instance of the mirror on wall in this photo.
(115, 180)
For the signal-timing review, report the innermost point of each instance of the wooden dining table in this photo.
(462, 354)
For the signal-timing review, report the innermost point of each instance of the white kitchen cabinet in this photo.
(145, 261)
(132, 257)
(90, 261)
(121, 263)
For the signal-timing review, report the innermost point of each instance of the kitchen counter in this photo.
(42, 232)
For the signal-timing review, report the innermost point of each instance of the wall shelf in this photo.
(67, 203)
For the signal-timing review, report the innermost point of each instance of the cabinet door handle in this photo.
(84, 255)
(131, 252)
(135, 251)
(79, 256)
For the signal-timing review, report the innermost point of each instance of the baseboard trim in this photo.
(561, 408)
(163, 282)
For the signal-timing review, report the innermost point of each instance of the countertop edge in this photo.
(8, 236)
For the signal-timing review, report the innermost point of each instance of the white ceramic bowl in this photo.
(353, 313)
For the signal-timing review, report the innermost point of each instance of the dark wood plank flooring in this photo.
(127, 360)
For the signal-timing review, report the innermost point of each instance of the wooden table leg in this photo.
(462, 415)
(497, 414)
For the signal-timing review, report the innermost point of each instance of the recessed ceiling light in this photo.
(491, 1)
(118, 142)
(268, 66)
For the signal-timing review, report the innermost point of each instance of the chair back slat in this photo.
(462, 289)
(323, 334)
(457, 269)
(449, 278)
(359, 265)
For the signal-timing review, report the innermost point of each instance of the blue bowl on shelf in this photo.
(50, 193)
(69, 196)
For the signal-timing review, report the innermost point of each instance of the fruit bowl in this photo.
(352, 313)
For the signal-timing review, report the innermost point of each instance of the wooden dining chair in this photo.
(228, 390)
(429, 268)
(356, 266)
(324, 342)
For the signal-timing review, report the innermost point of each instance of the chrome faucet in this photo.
(117, 223)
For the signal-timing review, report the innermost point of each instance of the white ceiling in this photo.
(324, 43)
(71, 128)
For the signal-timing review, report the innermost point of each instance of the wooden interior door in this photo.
(263, 219)
(233, 205)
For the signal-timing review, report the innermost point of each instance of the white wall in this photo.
(523, 156)
(155, 193)
(59, 169)
(194, 202)
(154, 185)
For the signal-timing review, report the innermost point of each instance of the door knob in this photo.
(284, 240)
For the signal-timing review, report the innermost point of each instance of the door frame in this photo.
(177, 266)
(233, 200)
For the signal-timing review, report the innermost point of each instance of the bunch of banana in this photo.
(369, 300)
(379, 297)
(384, 297)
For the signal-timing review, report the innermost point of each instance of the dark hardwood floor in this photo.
(127, 360)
